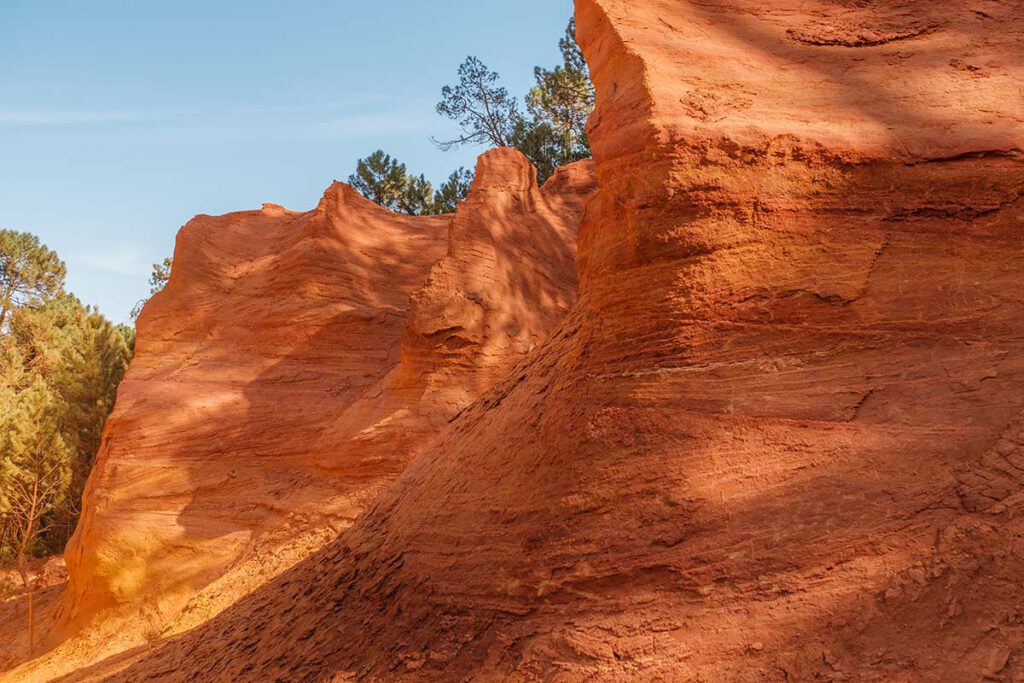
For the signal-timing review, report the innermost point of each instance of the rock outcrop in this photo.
(272, 325)
(290, 369)
(507, 282)
(779, 435)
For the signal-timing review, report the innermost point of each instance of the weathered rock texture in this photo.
(508, 280)
(291, 367)
(780, 435)
(779, 438)
(273, 324)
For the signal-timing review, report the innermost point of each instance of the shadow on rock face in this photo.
(775, 438)
(290, 370)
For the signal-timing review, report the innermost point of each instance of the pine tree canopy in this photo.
(29, 273)
(60, 365)
(382, 179)
(552, 133)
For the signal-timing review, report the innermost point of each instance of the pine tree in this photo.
(551, 135)
(29, 273)
(381, 179)
(453, 191)
(417, 197)
(60, 365)
(563, 99)
(483, 109)
(35, 468)
(81, 357)
(161, 274)
(157, 281)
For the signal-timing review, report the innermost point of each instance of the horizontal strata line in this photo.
(758, 420)
(888, 226)
(904, 329)
(783, 382)
(1010, 153)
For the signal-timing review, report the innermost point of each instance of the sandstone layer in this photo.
(292, 366)
(506, 283)
(780, 435)
(272, 324)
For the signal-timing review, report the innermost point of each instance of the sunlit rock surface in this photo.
(290, 369)
(778, 437)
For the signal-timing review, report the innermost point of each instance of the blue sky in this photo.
(120, 120)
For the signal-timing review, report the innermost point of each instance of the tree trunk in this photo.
(30, 588)
(31, 620)
(5, 307)
(26, 541)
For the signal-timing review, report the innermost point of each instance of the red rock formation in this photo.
(508, 280)
(273, 323)
(282, 378)
(779, 436)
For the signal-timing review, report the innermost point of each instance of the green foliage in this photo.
(127, 333)
(562, 101)
(453, 191)
(484, 110)
(60, 365)
(417, 196)
(552, 134)
(29, 273)
(542, 146)
(382, 179)
(161, 274)
(157, 281)
(35, 467)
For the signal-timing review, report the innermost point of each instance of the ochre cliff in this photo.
(779, 437)
(292, 366)
(508, 280)
(273, 324)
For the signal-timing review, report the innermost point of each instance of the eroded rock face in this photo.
(506, 283)
(273, 323)
(779, 435)
(292, 366)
